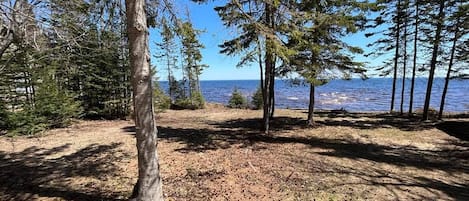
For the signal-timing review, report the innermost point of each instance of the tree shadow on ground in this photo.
(244, 133)
(349, 178)
(458, 129)
(280, 123)
(451, 160)
(374, 121)
(38, 172)
(352, 120)
(200, 140)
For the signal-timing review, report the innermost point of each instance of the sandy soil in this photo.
(218, 154)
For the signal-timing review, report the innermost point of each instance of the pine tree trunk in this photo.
(272, 93)
(191, 83)
(266, 97)
(311, 105)
(268, 71)
(436, 45)
(261, 70)
(266, 92)
(149, 185)
(396, 55)
(404, 65)
(448, 74)
(414, 68)
(170, 89)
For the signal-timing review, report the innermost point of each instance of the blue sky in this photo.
(222, 67)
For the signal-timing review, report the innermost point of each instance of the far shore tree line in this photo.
(61, 60)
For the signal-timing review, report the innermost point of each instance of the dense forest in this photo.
(65, 60)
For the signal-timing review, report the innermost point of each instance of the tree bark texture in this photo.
(149, 185)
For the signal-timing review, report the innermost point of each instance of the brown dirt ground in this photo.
(218, 154)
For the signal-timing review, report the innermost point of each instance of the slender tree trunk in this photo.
(26, 88)
(266, 92)
(198, 83)
(171, 89)
(272, 93)
(168, 66)
(436, 45)
(396, 55)
(191, 84)
(311, 105)
(149, 185)
(261, 69)
(268, 71)
(414, 67)
(448, 74)
(404, 65)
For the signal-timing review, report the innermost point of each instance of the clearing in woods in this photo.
(218, 154)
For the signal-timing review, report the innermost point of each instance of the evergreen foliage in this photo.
(262, 28)
(196, 102)
(257, 101)
(192, 57)
(3, 116)
(61, 60)
(237, 100)
(77, 66)
(168, 56)
(161, 101)
(52, 108)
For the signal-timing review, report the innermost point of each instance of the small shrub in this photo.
(183, 104)
(237, 100)
(257, 100)
(52, 108)
(196, 102)
(56, 106)
(26, 122)
(3, 116)
(161, 101)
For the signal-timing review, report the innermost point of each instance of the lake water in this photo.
(352, 95)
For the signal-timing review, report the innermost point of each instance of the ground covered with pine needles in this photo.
(218, 154)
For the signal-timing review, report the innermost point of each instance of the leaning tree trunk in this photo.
(448, 74)
(396, 56)
(436, 45)
(414, 67)
(149, 185)
(311, 105)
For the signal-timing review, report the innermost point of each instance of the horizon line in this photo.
(303, 79)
